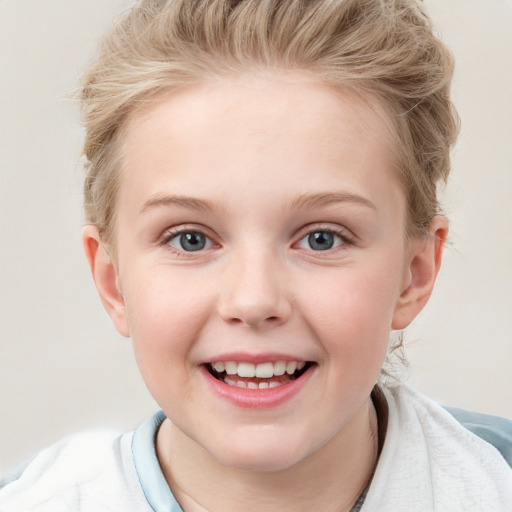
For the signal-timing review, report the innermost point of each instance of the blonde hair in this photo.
(383, 48)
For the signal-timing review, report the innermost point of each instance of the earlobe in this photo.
(424, 262)
(105, 278)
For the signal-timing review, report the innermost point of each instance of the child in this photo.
(262, 211)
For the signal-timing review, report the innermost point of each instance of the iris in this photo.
(192, 241)
(321, 240)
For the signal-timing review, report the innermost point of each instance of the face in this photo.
(261, 257)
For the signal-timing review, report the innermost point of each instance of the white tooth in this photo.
(265, 370)
(231, 367)
(230, 382)
(252, 385)
(218, 367)
(301, 365)
(279, 368)
(263, 385)
(246, 370)
(241, 384)
(273, 384)
(291, 367)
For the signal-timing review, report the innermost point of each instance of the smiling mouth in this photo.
(258, 376)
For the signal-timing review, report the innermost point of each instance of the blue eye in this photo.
(190, 241)
(321, 240)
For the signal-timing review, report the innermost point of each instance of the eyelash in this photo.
(343, 234)
(173, 233)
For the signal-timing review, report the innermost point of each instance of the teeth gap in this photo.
(222, 375)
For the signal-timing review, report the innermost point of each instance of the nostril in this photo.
(261, 310)
(254, 322)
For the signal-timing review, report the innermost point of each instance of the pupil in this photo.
(321, 241)
(192, 241)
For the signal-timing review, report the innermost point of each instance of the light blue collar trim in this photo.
(497, 431)
(153, 483)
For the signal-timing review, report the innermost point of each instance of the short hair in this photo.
(381, 48)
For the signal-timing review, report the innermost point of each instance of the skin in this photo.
(263, 162)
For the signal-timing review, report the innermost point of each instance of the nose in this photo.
(254, 293)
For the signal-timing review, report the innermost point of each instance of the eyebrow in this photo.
(326, 199)
(301, 201)
(180, 201)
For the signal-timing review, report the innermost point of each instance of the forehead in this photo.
(226, 136)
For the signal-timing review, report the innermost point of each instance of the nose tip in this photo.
(256, 298)
(253, 317)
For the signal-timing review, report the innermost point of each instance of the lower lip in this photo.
(258, 398)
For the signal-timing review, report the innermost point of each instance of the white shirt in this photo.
(429, 462)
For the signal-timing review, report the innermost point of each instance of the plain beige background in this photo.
(62, 366)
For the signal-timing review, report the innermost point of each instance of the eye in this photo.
(189, 241)
(321, 240)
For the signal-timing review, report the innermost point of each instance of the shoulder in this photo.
(493, 429)
(83, 447)
(449, 467)
(74, 474)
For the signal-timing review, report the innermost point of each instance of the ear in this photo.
(424, 262)
(105, 278)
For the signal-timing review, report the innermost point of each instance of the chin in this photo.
(260, 463)
(262, 455)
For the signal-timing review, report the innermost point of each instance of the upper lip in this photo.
(244, 357)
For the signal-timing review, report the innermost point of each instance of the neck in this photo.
(330, 479)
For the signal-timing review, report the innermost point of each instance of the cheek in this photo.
(166, 318)
(352, 311)
(162, 305)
